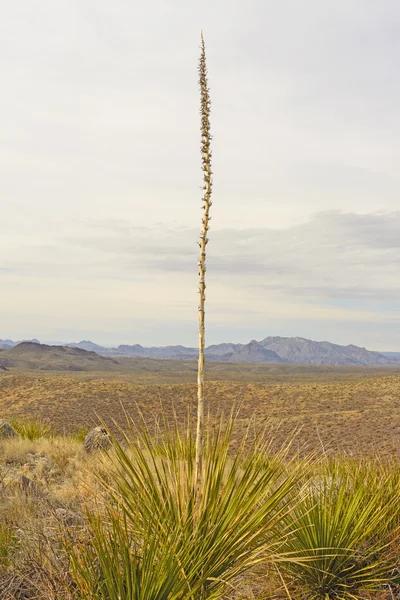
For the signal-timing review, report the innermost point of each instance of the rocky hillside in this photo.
(31, 355)
(252, 352)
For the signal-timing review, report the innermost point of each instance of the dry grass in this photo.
(45, 485)
(149, 371)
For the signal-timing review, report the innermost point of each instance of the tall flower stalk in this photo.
(207, 189)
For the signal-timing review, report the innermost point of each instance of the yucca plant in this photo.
(341, 531)
(205, 106)
(117, 562)
(161, 523)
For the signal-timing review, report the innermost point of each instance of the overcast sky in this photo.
(100, 170)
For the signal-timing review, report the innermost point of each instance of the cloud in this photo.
(305, 109)
(334, 257)
(100, 169)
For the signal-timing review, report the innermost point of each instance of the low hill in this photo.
(31, 355)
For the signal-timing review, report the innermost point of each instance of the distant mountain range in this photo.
(294, 350)
(395, 355)
(10, 343)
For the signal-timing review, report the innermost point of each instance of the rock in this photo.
(6, 430)
(25, 482)
(97, 439)
(28, 485)
(68, 518)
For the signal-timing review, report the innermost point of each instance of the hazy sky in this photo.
(100, 170)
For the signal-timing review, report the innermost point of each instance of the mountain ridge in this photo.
(272, 349)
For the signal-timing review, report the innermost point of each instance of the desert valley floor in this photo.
(349, 409)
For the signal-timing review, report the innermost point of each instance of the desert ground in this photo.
(351, 409)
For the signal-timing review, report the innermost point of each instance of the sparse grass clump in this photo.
(31, 429)
(8, 544)
(80, 433)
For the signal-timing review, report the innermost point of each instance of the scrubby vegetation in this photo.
(357, 415)
(30, 430)
(127, 523)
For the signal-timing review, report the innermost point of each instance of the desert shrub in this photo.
(162, 537)
(31, 430)
(341, 531)
(80, 434)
